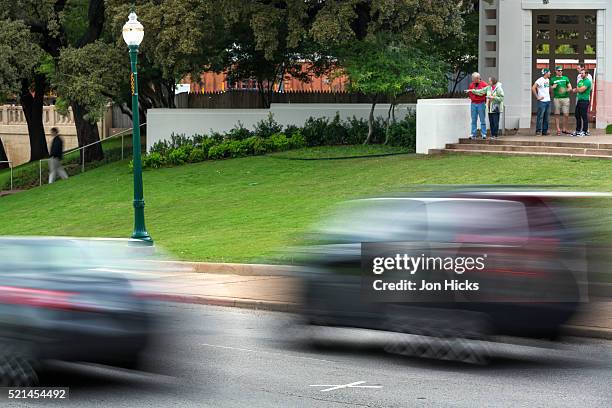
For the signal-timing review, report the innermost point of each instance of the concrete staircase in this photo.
(586, 147)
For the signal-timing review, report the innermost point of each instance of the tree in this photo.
(55, 25)
(180, 38)
(462, 52)
(377, 69)
(380, 43)
(264, 41)
(19, 56)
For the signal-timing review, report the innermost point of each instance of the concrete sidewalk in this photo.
(282, 293)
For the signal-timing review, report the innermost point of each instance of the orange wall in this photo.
(217, 82)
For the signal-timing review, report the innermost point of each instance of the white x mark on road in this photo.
(356, 384)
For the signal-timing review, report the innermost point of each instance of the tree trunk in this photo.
(3, 157)
(370, 123)
(87, 133)
(32, 106)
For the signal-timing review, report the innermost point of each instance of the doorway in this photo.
(567, 38)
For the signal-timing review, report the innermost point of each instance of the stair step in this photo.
(524, 153)
(584, 143)
(530, 149)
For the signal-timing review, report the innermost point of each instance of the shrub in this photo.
(218, 151)
(297, 140)
(205, 145)
(609, 130)
(335, 132)
(180, 155)
(236, 148)
(217, 137)
(153, 160)
(278, 142)
(314, 131)
(267, 127)
(403, 133)
(291, 130)
(255, 145)
(197, 155)
(239, 132)
(356, 130)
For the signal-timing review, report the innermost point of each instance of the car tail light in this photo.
(48, 299)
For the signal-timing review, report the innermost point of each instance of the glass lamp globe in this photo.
(133, 31)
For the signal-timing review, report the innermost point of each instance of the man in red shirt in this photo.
(478, 107)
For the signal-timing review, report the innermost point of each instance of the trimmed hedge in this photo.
(268, 136)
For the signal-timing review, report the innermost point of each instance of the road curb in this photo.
(570, 330)
(585, 331)
(231, 268)
(231, 302)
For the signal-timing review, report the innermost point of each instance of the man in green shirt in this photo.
(583, 101)
(561, 87)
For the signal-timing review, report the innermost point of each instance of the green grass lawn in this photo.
(335, 152)
(243, 209)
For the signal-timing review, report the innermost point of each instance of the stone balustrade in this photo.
(14, 130)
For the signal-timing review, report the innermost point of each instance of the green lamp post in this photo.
(133, 33)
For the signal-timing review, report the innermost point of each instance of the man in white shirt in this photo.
(541, 91)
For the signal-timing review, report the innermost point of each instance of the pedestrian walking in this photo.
(541, 90)
(478, 105)
(562, 88)
(55, 157)
(583, 101)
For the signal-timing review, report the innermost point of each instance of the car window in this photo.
(453, 220)
(36, 255)
(381, 220)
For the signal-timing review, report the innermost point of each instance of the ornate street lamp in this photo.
(133, 33)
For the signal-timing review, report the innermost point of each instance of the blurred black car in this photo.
(534, 280)
(58, 302)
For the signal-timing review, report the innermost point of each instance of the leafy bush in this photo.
(269, 137)
(255, 145)
(267, 127)
(403, 133)
(335, 132)
(218, 151)
(197, 155)
(236, 148)
(356, 130)
(154, 160)
(314, 131)
(180, 155)
(239, 132)
(297, 140)
(291, 130)
(278, 142)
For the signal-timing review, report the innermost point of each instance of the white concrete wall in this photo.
(515, 60)
(441, 121)
(161, 123)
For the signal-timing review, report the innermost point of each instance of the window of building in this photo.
(566, 19)
(491, 30)
(491, 14)
(543, 34)
(543, 19)
(590, 49)
(491, 46)
(564, 34)
(543, 49)
(490, 62)
(566, 49)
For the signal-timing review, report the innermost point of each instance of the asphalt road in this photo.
(226, 357)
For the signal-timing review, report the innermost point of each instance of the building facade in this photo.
(520, 37)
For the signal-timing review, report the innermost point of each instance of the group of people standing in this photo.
(488, 98)
(561, 89)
